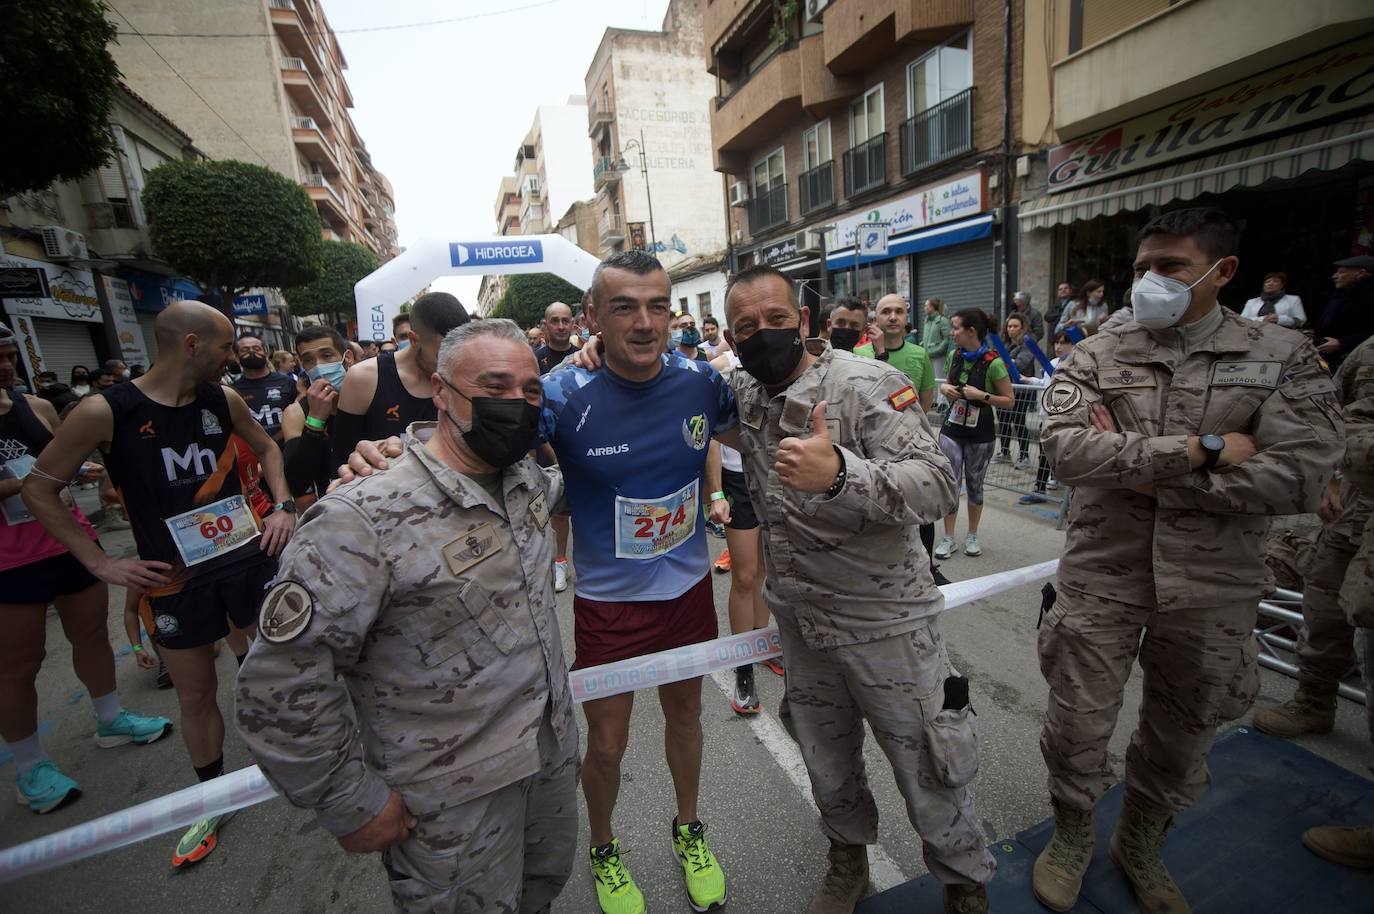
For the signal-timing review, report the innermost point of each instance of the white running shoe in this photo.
(560, 575)
(945, 548)
(971, 546)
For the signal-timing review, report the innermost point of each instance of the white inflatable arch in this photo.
(379, 294)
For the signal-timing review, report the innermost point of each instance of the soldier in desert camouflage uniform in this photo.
(841, 461)
(1326, 646)
(1181, 431)
(428, 592)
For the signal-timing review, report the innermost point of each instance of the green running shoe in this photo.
(198, 842)
(703, 876)
(616, 892)
(43, 788)
(129, 727)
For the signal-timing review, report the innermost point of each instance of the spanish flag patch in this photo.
(902, 398)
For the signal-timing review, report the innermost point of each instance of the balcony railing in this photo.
(604, 172)
(283, 5)
(768, 209)
(865, 166)
(612, 228)
(318, 180)
(304, 123)
(817, 187)
(937, 133)
(293, 63)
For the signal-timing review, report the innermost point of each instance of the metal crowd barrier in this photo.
(1018, 464)
(1281, 614)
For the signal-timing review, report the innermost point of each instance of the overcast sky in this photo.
(442, 108)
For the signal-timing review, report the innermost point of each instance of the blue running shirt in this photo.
(632, 455)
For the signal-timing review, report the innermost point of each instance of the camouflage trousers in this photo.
(896, 684)
(1200, 671)
(1326, 644)
(509, 851)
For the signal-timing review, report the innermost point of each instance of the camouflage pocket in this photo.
(1244, 686)
(953, 746)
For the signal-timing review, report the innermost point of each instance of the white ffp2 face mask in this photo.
(1158, 302)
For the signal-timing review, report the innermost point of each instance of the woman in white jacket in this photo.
(1275, 305)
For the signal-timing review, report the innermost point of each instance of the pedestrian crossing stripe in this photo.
(902, 398)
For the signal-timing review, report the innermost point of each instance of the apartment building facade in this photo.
(648, 104)
(274, 95)
(1262, 107)
(859, 111)
(82, 281)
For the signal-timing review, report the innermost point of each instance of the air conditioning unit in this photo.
(63, 244)
(739, 193)
(810, 240)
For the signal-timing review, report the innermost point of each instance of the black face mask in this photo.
(503, 428)
(844, 338)
(253, 362)
(771, 355)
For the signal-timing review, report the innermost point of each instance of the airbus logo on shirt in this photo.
(609, 451)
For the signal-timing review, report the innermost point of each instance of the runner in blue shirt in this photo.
(632, 441)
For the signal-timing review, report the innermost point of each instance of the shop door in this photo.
(961, 276)
(65, 344)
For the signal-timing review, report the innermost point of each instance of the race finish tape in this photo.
(248, 787)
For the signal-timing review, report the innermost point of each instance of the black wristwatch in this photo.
(289, 506)
(1212, 446)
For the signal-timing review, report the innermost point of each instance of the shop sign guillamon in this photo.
(1277, 100)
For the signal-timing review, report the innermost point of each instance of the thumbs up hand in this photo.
(809, 464)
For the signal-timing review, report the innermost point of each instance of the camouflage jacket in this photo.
(1199, 540)
(416, 603)
(851, 568)
(1356, 379)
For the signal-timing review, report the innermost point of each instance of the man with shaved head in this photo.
(205, 555)
(558, 331)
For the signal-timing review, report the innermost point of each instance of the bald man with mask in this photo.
(205, 556)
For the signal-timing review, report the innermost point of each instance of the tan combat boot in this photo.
(1347, 846)
(1303, 713)
(966, 899)
(1060, 867)
(845, 882)
(1136, 841)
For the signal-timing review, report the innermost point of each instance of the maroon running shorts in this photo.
(605, 631)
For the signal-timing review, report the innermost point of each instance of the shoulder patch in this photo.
(1062, 397)
(902, 398)
(286, 612)
(1364, 373)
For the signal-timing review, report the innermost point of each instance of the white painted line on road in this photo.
(883, 871)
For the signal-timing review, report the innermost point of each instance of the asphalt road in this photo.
(755, 798)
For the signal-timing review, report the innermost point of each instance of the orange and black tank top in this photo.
(176, 471)
(393, 407)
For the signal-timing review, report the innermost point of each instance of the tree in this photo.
(231, 226)
(342, 264)
(57, 83)
(528, 294)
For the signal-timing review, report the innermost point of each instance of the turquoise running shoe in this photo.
(129, 727)
(43, 788)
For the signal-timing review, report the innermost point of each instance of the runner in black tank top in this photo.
(206, 558)
(166, 460)
(393, 407)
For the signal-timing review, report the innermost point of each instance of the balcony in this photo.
(817, 187)
(768, 209)
(327, 199)
(758, 109)
(598, 117)
(604, 173)
(310, 139)
(291, 29)
(612, 229)
(865, 166)
(938, 133)
(302, 88)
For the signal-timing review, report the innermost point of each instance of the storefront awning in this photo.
(925, 240)
(1280, 158)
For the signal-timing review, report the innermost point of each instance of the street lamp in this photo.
(622, 166)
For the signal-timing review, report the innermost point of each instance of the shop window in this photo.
(874, 280)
